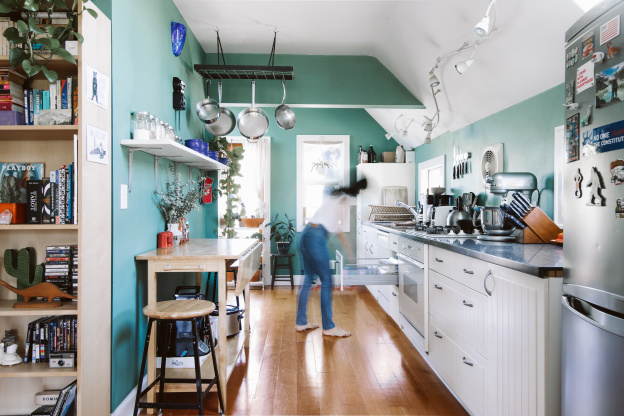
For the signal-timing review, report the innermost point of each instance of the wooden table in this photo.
(199, 255)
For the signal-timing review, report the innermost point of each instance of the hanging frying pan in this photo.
(253, 122)
(284, 116)
(226, 121)
(208, 109)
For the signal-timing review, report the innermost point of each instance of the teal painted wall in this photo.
(527, 132)
(328, 81)
(143, 67)
(105, 6)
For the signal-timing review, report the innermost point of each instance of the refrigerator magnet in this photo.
(617, 171)
(619, 208)
(588, 46)
(578, 178)
(586, 121)
(569, 92)
(596, 185)
(572, 138)
(571, 57)
(608, 86)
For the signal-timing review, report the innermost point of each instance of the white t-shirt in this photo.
(331, 213)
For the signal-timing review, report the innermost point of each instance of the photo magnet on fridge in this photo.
(588, 46)
(610, 86)
(571, 57)
(619, 208)
(569, 92)
(617, 171)
(572, 138)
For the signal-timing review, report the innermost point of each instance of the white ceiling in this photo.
(522, 58)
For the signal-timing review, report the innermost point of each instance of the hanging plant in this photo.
(33, 45)
(228, 185)
(321, 167)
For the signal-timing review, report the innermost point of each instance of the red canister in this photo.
(164, 239)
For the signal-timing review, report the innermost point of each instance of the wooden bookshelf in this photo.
(38, 227)
(57, 64)
(37, 132)
(26, 370)
(7, 309)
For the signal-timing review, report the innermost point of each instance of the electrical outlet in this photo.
(124, 196)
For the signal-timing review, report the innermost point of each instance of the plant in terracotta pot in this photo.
(174, 203)
(256, 219)
(283, 232)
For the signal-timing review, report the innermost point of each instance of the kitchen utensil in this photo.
(437, 190)
(521, 211)
(461, 163)
(226, 121)
(511, 216)
(457, 214)
(522, 200)
(454, 162)
(469, 200)
(284, 116)
(208, 109)
(492, 221)
(253, 122)
(438, 215)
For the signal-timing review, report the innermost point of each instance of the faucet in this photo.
(414, 213)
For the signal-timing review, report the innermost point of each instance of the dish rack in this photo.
(389, 213)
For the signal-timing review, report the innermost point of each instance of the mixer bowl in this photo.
(493, 221)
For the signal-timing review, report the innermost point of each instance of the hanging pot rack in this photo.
(248, 72)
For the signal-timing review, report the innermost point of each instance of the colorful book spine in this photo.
(64, 96)
(52, 104)
(62, 197)
(37, 106)
(33, 206)
(45, 100)
(31, 108)
(69, 194)
(59, 94)
(74, 100)
(46, 201)
(26, 108)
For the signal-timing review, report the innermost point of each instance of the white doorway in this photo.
(255, 194)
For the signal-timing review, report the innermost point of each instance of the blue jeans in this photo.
(313, 248)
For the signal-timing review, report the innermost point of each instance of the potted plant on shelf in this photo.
(255, 220)
(283, 232)
(34, 44)
(174, 203)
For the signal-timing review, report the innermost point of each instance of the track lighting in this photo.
(428, 138)
(482, 28)
(433, 80)
(428, 125)
(464, 65)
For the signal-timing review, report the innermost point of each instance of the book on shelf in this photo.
(65, 405)
(11, 74)
(14, 177)
(34, 201)
(47, 397)
(12, 106)
(50, 334)
(45, 410)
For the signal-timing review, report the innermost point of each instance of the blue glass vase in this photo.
(178, 36)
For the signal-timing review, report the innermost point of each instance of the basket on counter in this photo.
(389, 213)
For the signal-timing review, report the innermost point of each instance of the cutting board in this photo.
(391, 194)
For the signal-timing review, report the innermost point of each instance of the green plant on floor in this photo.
(34, 44)
(21, 265)
(228, 185)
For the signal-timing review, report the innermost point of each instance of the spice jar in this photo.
(154, 122)
(169, 133)
(141, 129)
(162, 129)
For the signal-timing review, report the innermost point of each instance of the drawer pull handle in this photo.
(437, 335)
(467, 362)
(394, 294)
(468, 271)
(438, 260)
(488, 274)
(437, 287)
(470, 305)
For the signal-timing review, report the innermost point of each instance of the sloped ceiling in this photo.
(522, 58)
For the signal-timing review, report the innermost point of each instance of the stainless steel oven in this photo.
(412, 283)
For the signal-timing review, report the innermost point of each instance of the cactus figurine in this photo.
(21, 265)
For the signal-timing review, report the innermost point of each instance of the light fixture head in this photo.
(482, 28)
(428, 126)
(428, 138)
(388, 136)
(433, 80)
(464, 65)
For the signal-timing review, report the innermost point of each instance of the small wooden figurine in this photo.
(41, 290)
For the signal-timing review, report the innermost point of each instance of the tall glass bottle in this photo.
(372, 156)
(359, 156)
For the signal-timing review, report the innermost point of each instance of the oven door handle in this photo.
(410, 261)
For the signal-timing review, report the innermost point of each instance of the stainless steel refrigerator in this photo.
(593, 301)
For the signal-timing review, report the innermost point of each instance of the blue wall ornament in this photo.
(178, 36)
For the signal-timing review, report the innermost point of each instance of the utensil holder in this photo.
(527, 236)
(542, 225)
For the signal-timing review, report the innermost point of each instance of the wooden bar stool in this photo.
(277, 265)
(171, 311)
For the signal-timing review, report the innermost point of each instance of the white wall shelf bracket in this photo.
(130, 157)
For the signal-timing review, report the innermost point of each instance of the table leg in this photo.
(246, 296)
(198, 276)
(222, 348)
(151, 352)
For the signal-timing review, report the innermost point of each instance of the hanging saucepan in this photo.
(284, 116)
(253, 122)
(226, 122)
(208, 109)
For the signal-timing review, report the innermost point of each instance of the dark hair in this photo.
(351, 190)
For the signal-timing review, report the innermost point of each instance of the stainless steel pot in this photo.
(492, 221)
(284, 116)
(208, 109)
(234, 319)
(253, 122)
(226, 121)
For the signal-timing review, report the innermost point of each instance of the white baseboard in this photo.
(126, 407)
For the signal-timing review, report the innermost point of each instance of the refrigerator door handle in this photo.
(600, 317)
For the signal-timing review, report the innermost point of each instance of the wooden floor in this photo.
(376, 371)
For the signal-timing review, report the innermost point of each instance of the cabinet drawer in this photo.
(393, 242)
(460, 309)
(458, 368)
(382, 239)
(440, 260)
(470, 272)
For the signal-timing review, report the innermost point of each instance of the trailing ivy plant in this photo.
(228, 185)
(33, 45)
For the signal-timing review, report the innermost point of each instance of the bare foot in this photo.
(305, 327)
(336, 332)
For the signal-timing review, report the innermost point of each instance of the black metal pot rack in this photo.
(218, 72)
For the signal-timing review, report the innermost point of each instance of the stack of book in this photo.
(50, 334)
(5, 45)
(12, 106)
(55, 106)
(64, 403)
(52, 200)
(74, 271)
(58, 267)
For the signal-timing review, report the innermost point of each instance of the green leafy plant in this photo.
(174, 203)
(228, 185)
(33, 44)
(282, 231)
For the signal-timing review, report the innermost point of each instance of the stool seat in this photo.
(179, 309)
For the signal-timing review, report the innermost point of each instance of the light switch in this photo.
(124, 196)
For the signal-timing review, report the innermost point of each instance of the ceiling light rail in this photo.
(249, 72)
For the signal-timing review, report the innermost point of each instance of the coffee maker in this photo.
(438, 209)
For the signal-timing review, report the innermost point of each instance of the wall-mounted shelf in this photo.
(286, 73)
(167, 149)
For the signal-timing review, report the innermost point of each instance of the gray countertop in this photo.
(540, 260)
